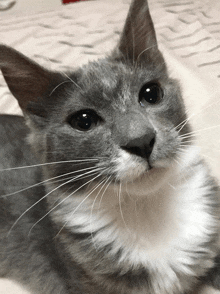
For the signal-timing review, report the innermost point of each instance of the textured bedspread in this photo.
(188, 33)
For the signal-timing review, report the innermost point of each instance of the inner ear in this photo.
(28, 81)
(138, 39)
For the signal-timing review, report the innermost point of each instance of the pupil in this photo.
(84, 122)
(151, 94)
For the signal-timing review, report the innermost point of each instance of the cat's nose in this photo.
(142, 146)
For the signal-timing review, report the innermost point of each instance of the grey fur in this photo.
(38, 247)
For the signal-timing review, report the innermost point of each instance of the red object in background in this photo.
(69, 1)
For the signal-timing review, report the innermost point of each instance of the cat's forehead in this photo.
(103, 83)
(110, 73)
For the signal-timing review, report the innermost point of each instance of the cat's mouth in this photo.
(147, 183)
(139, 174)
(128, 167)
(134, 176)
(134, 170)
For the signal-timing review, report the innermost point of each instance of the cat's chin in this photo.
(147, 183)
(132, 169)
(139, 176)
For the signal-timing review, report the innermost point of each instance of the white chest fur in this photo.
(165, 231)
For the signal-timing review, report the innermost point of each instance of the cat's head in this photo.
(118, 118)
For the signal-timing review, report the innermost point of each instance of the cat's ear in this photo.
(138, 40)
(27, 80)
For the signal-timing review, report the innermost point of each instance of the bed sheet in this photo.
(188, 33)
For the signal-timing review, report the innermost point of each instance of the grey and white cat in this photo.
(112, 197)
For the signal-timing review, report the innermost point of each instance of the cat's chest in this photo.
(162, 234)
(161, 226)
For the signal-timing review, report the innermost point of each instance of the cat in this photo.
(102, 190)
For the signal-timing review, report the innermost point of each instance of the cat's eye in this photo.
(84, 120)
(151, 93)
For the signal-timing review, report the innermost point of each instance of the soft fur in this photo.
(111, 197)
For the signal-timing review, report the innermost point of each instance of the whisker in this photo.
(195, 114)
(126, 188)
(83, 177)
(187, 143)
(188, 135)
(210, 105)
(58, 87)
(52, 209)
(179, 153)
(173, 187)
(103, 185)
(178, 161)
(109, 178)
(77, 205)
(64, 82)
(103, 181)
(183, 123)
(145, 51)
(72, 81)
(148, 48)
(45, 181)
(120, 206)
(194, 133)
(51, 163)
(33, 205)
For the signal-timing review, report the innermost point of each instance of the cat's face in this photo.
(117, 118)
(124, 117)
